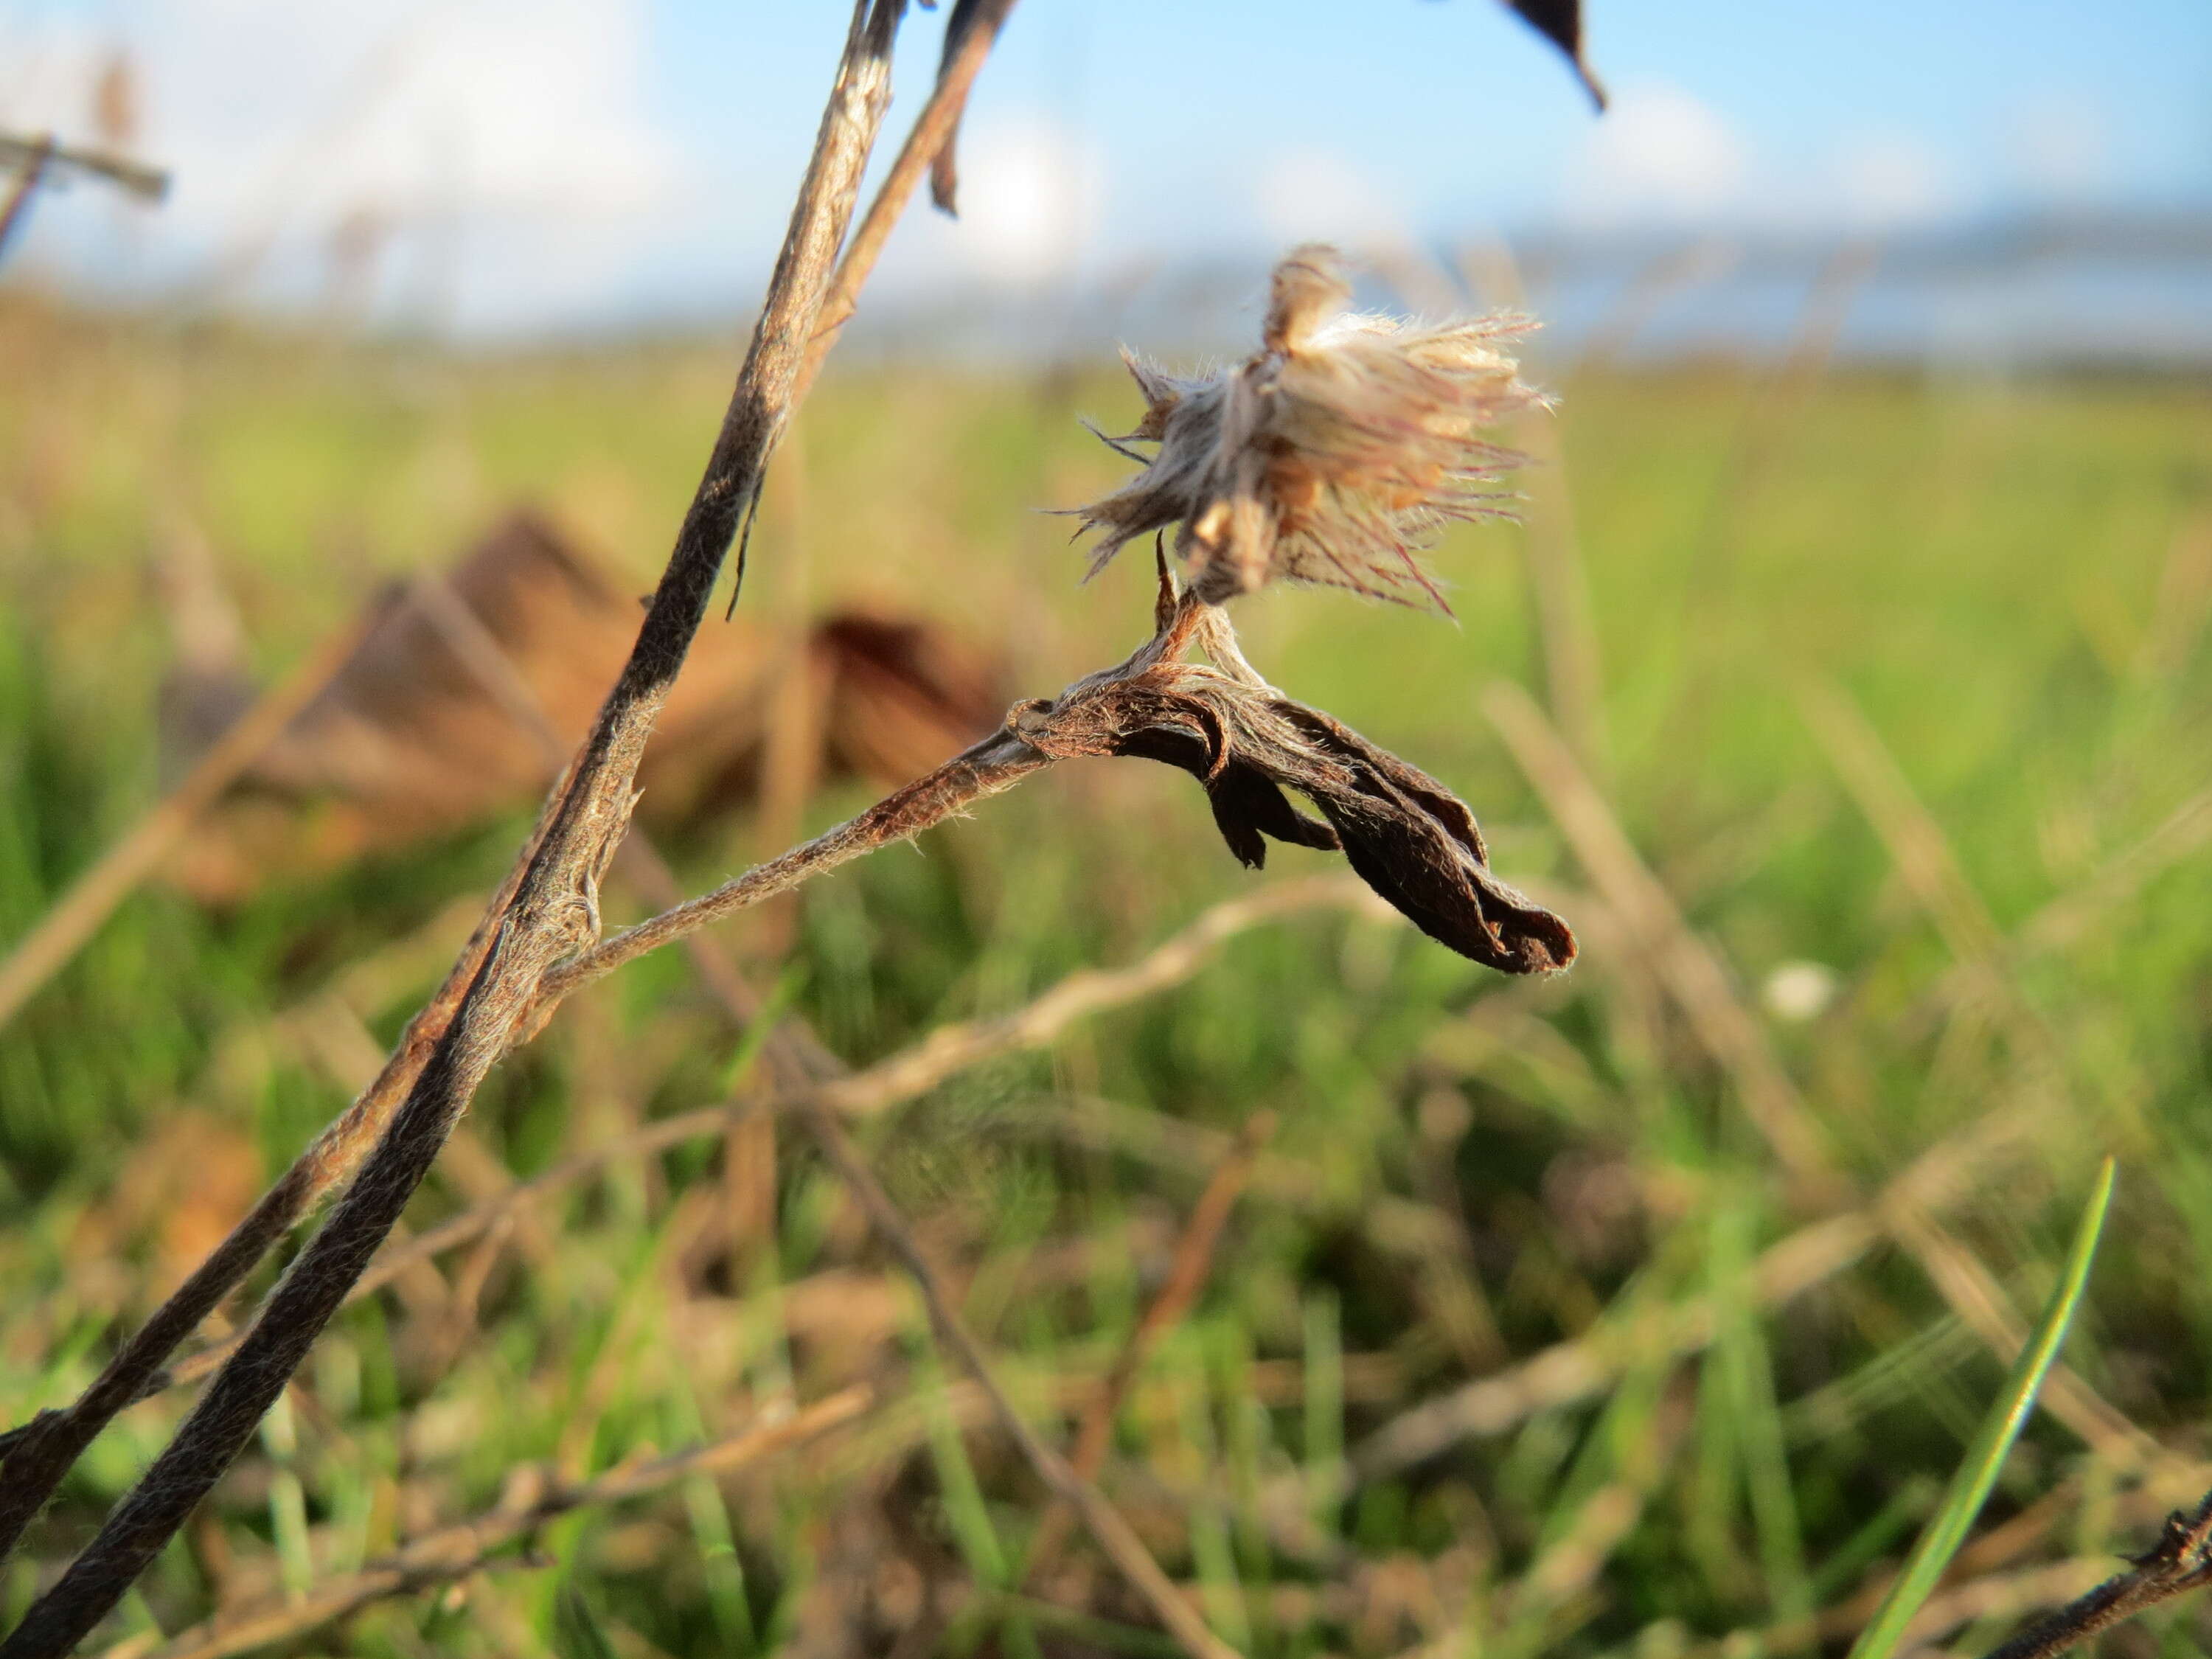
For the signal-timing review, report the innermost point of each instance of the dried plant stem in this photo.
(455, 1551)
(989, 768)
(33, 1472)
(1104, 1523)
(32, 174)
(92, 898)
(2181, 1562)
(638, 862)
(933, 128)
(41, 1452)
(1186, 1271)
(555, 904)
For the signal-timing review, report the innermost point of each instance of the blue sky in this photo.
(518, 164)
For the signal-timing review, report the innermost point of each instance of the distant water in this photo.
(2117, 294)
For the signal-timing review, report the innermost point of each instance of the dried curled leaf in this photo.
(1330, 456)
(968, 16)
(1407, 835)
(1560, 21)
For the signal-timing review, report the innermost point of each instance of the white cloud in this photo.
(1661, 158)
(528, 123)
(1310, 195)
(1029, 200)
(2061, 146)
(1659, 154)
(1890, 180)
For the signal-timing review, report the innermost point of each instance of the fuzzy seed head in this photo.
(1331, 456)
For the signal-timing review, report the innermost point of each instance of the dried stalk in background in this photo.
(533, 1497)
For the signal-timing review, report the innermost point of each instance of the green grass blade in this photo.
(1970, 1485)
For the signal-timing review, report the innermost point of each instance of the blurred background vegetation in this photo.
(1902, 683)
(1846, 685)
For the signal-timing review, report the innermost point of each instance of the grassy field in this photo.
(1887, 844)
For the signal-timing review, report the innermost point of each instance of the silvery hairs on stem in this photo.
(1330, 456)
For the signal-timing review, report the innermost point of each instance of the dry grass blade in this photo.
(1113, 1535)
(1576, 1371)
(35, 156)
(47, 948)
(1688, 968)
(952, 1047)
(1916, 841)
(556, 902)
(1186, 1271)
(1552, 562)
(147, 183)
(890, 1083)
(453, 1552)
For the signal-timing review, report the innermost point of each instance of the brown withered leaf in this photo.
(1560, 21)
(409, 741)
(1407, 836)
(968, 16)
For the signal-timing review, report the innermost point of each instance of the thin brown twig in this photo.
(556, 905)
(37, 156)
(1186, 1272)
(2179, 1562)
(988, 768)
(535, 1496)
(1982, 1584)
(148, 183)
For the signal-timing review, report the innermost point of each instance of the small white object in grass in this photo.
(1799, 991)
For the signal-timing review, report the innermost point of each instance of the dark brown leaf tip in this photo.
(1343, 446)
(1403, 833)
(1560, 21)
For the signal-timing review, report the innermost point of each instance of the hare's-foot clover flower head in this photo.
(1341, 448)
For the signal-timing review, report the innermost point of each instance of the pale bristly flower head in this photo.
(1343, 446)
